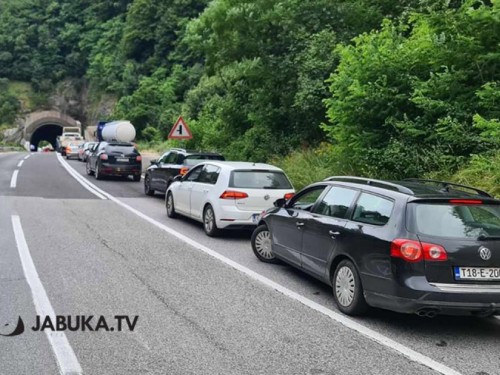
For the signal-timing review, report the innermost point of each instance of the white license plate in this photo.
(122, 159)
(255, 217)
(477, 273)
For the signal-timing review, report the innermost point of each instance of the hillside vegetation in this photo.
(380, 88)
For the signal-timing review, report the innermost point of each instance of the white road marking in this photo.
(66, 359)
(20, 164)
(27, 156)
(13, 181)
(338, 317)
(79, 178)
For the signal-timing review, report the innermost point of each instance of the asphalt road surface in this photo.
(204, 306)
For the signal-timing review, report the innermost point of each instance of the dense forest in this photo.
(380, 88)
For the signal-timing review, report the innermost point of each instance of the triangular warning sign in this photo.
(180, 130)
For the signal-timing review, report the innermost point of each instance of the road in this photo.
(204, 305)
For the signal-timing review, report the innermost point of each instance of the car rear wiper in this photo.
(484, 237)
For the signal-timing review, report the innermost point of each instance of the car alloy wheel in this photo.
(209, 222)
(89, 171)
(147, 186)
(170, 206)
(345, 286)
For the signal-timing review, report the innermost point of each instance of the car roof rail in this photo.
(373, 182)
(446, 185)
(177, 149)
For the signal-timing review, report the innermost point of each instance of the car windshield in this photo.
(458, 221)
(259, 180)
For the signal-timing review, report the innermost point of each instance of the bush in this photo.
(150, 134)
(307, 166)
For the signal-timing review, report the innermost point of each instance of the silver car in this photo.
(85, 150)
(72, 149)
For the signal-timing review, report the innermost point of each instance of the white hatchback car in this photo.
(227, 194)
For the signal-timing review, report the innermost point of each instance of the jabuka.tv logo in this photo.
(61, 323)
(17, 331)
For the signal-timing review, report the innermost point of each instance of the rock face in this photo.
(70, 98)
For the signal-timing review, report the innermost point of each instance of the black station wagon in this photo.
(414, 246)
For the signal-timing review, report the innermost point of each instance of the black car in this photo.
(115, 159)
(175, 161)
(415, 246)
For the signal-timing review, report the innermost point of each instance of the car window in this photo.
(336, 202)
(193, 174)
(257, 179)
(164, 157)
(209, 174)
(371, 209)
(457, 220)
(172, 158)
(102, 146)
(305, 201)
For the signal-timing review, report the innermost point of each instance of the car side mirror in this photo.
(280, 203)
(153, 161)
(178, 178)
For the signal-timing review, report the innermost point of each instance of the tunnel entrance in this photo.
(47, 133)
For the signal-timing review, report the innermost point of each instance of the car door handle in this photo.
(205, 191)
(299, 224)
(334, 234)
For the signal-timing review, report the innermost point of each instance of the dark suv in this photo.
(175, 161)
(115, 159)
(415, 246)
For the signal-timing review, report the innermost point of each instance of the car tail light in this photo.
(465, 201)
(139, 158)
(184, 171)
(409, 250)
(288, 196)
(414, 251)
(68, 150)
(228, 194)
(434, 252)
(104, 157)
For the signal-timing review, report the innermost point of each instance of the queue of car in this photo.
(415, 246)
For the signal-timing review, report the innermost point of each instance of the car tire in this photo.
(98, 175)
(262, 245)
(137, 177)
(209, 222)
(169, 203)
(347, 289)
(147, 186)
(89, 171)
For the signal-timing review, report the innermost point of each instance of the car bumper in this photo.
(237, 219)
(72, 154)
(120, 170)
(449, 299)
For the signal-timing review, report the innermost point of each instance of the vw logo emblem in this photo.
(266, 197)
(484, 253)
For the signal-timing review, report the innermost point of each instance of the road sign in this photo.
(180, 130)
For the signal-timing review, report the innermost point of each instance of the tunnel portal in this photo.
(47, 133)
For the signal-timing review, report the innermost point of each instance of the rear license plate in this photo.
(255, 217)
(477, 273)
(122, 159)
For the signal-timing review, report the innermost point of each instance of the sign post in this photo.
(180, 130)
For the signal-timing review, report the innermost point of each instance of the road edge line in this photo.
(77, 177)
(339, 318)
(67, 361)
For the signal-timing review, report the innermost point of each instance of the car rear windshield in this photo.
(457, 221)
(122, 149)
(259, 180)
